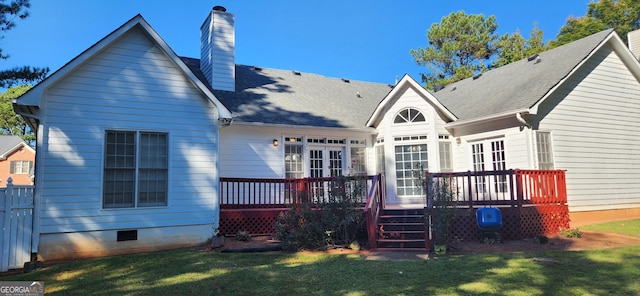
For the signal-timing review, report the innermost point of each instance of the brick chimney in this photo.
(217, 44)
(634, 43)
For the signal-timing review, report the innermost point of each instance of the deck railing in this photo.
(373, 207)
(277, 193)
(513, 188)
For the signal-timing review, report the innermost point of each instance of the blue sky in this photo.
(365, 40)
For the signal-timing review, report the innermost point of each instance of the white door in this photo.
(410, 159)
(489, 156)
(324, 162)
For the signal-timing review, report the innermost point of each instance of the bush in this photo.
(571, 233)
(242, 236)
(324, 222)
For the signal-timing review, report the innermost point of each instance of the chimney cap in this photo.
(219, 8)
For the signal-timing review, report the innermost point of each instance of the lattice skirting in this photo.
(518, 223)
(253, 221)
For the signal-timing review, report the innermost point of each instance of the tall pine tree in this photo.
(9, 11)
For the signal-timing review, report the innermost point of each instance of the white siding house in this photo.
(575, 108)
(595, 133)
(125, 108)
(133, 140)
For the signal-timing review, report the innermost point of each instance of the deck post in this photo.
(470, 189)
(519, 189)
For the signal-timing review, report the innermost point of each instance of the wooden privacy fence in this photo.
(16, 210)
(253, 204)
(532, 202)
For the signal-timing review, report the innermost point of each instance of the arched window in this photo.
(409, 115)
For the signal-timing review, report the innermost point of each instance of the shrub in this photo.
(242, 236)
(325, 221)
(571, 233)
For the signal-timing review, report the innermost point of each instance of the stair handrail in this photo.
(372, 209)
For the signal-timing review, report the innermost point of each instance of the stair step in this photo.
(399, 240)
(416, 249)
(404, 211)
(400, 223)
(404, 231)
(400, 216)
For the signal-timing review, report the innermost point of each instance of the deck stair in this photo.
(401, 229)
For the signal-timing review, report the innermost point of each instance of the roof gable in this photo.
(9, 144)
(34, 95)
(520, 85)
(405, 83)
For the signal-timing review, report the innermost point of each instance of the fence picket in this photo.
(17, 204)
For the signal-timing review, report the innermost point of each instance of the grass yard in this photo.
(625, 227)
(195, 272)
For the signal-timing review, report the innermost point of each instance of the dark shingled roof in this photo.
(274, 96)
(518, 85)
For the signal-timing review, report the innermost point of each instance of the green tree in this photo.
(513, 47)
(460, 46)
(10, 122)
(621, 15)
(18, 75)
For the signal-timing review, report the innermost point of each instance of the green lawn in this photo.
(194, 272)
(626, 227)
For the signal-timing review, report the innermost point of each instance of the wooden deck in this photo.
(532, 202)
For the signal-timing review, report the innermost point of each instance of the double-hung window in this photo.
(444, 147)
(135, 169)
(20, 167)
(358, 157)
(545, 154)
(293, 161)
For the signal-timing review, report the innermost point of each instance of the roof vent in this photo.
(219, 8)
(531, 58)
(256, 68)
(296, 73)
(358, 94)
(454, 88)
(438, 87)
(477, 76)
(538, 60)
(346, 80)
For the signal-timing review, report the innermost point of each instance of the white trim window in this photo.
(409, 115)
(135, 169)
(293, 158)
(358, 157)
(20, 167)
(444, 147)
(410, 158)
(380, 160)
(544, 151)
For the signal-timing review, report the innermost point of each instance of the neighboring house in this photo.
(16, 161)
(133, 139)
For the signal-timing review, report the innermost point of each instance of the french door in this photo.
(324, 162)
(489, 155)
(409, 160)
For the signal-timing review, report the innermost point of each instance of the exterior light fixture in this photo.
(275, 142)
